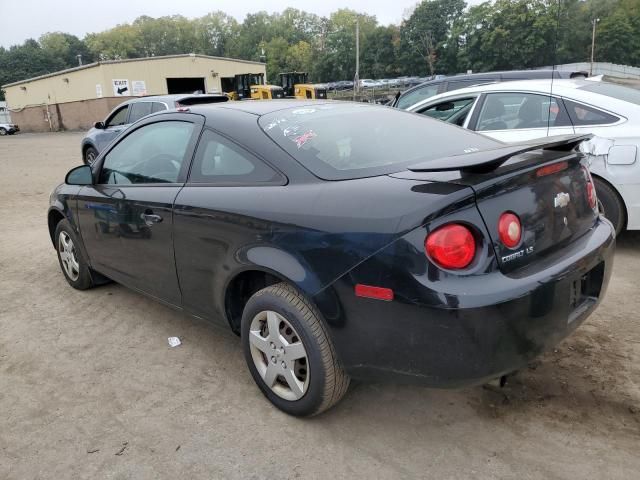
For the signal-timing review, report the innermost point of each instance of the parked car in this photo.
(8, 128)
(447, 84)
(517, 111)
(368, 83)
(130, 112)
(336, 245)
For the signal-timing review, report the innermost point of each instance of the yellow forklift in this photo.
(251, 86)
(295, 85)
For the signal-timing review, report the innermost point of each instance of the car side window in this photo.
(158, 107)
(153, 153)
(118, 118)
(221, 161)
(451, 111)
(411, 98)
(513, 110)
(139, 110)
(584, 115)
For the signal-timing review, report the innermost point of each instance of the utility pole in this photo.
(594, 22)
(356, 78)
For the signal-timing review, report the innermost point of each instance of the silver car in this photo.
(130, 112)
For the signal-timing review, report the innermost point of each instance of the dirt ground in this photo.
(90, 389)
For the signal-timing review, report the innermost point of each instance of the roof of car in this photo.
(259, 107)
(543, 85)
(488, 76)
(176, 97)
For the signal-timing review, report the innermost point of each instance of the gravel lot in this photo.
(90, 389)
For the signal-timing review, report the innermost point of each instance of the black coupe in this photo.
(343, 240)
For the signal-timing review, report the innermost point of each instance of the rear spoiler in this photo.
(488, 160)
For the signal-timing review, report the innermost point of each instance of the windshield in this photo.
(350, 140)
(615, 91)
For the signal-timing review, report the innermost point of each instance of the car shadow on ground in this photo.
(628, 240)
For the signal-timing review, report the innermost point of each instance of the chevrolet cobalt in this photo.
(343, 240)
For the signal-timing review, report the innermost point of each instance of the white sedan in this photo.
(524, 110)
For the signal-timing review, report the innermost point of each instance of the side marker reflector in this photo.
(379, 293)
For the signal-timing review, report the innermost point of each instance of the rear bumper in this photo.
(470, 331)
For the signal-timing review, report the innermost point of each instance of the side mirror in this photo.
(99, 125)
(81, 175)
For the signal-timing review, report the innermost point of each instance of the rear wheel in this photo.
(3, 131)
(90, 155)
(610, 205)
(289, 352)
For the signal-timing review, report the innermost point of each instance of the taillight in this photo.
(591, 195)
(551, 169)
(451, 246)
(509, 229)
(592, 198)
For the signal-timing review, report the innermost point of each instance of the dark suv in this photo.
(133, 110)
(447, 84)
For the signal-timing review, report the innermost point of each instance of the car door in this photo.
(225, 181)
(126, 217)
(520, 116)
(113, 126)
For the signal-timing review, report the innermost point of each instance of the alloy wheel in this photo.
(68, 256)
(279, 355)
(91, 157)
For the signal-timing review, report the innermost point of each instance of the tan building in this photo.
(78, 97)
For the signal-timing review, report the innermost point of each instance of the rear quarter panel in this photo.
(308, 234)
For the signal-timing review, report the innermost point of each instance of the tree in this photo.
(64, 48)
(425, 32)
(217, 33)
(122, 41)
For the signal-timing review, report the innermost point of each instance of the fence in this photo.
(601, 68)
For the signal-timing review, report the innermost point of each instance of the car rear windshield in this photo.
(342, 141)
(619, 92)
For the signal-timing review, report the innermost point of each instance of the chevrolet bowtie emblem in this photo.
(561, 200)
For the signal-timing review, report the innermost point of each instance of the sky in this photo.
(22, 19)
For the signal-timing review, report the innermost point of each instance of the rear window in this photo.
(139, 110)
(350, 140)
(615, 91)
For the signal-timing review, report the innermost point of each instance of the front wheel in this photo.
(289, 352)
(73, 264)
(611, 205)
(2, 132)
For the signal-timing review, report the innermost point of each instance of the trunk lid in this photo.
(545, 185)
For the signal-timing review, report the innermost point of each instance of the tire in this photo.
(611, 205)
(320, 377)
(90, 155)
(73, 264)
(2, 132)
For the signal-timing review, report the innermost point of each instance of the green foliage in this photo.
(438, 36)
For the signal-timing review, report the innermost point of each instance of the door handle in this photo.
(150, 218)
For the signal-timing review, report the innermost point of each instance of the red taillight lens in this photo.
(591, 195)
(509, 229)
(451, 246)
(591, 189)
